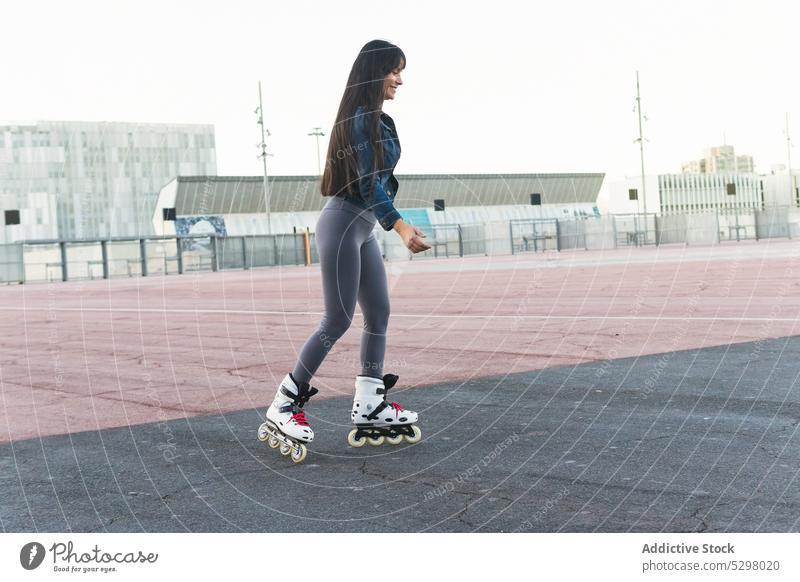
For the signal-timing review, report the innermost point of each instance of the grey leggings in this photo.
(352, 269)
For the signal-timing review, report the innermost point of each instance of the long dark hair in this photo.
(375, 60)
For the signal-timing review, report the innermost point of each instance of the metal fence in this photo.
(52, 260)
(454, 240)
(48, 260)
(534, 235)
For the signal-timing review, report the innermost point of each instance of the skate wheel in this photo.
(417, 435)
(263, 433)
(353, 441)
(299, 454)
(376, 442)
(395, 440)
(273, 442)
(285, 449)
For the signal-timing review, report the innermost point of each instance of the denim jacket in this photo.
(381, 198)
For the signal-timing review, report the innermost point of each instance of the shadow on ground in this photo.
(701, 440)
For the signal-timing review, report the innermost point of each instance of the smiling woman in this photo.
(359, 178)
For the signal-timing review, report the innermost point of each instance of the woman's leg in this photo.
(339, 234)
(373, 297)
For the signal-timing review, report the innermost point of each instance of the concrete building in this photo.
(232, 205)
(781, 188)
(104, 177)
(720, 160)
(687, 193)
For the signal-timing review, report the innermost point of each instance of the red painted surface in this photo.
(98, 354)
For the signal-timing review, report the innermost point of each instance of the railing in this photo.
(49, 260)
(534, 235)
(81, 259)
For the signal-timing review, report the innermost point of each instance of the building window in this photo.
(12, 217)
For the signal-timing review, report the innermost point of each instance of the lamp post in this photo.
(263, 155)
(789, 160)
(318, 133)
(641, 156)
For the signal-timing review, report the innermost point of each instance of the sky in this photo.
(489, 87)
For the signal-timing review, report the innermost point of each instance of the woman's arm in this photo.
(369, 187)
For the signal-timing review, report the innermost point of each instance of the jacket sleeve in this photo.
(374, 194)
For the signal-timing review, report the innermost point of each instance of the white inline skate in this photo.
(376, 420)
(286, 425)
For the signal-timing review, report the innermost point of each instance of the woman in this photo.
(359, 178)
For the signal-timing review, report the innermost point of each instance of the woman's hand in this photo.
(412, 237)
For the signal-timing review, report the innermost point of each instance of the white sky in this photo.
(490, 86)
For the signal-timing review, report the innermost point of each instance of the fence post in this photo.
(143, 255)
(614, 228)
(245, 264)
(213, 244)
(511, 234)
(21, 256)
(558, 235)
(460, 242)
(104, 252)
(294, 243)
(655, 228)
(64, 272)
(179, 253)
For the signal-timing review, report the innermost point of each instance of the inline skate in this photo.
(286, 426)
(376, 420)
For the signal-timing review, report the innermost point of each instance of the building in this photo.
(781, 188)
(690, 193)
(720, 160)
(232, 205)
(104, 177)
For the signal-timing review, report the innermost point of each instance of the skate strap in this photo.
(378, 409)
(304, 392)
(383, 406)
(289, 407)
(390, 380)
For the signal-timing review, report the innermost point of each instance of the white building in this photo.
(104, 176)
(687, 193)
(234, 205)
(781, 189)
(627, 196)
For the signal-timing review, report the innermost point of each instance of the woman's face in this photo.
(391, 82)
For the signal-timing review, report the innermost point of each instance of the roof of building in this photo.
(245, 194)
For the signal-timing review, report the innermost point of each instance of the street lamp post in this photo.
(318, 133)
(641, 155)
(789, 161)
(263, 156)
